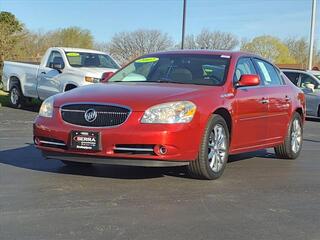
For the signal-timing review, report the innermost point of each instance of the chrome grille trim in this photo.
(133, 149)
(119, 117)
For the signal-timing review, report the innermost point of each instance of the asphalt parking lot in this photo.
(258, 197)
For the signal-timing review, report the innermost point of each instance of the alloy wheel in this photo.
(217, 148)
(296, 136)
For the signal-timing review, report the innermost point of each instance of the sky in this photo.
(244, 18)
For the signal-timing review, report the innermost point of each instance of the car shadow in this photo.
(249, 155)
(29, 157)
(310, 119)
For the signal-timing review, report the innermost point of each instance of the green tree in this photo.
(10, 29)
(72, 37)
(269, 47)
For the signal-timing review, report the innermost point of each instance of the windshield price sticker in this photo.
(147, 60)
(73, 54)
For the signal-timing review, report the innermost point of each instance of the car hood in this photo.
(92, 72)
(137, 96)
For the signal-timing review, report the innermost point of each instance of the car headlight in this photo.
(46, 109)
(92, 79)
(172, 112)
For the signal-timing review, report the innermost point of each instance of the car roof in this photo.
(208, 52)
(68, 49)
(313, 72)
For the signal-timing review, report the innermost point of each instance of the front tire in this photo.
(291, 147)
(213, 153)
(16, 97)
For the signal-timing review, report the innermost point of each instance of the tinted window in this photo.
(268, 73)
(293, 76)
(176, 68)
(244, 66)
(55, 57)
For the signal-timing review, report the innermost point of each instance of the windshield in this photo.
(93, 60)
(176, 68)
(318, 76)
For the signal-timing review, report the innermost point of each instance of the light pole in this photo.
(313, 23)
(183, 22)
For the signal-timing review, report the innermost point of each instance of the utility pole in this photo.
(183, 22)
(312, 30)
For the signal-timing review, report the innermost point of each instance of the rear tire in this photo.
(213, 153)
(291, 147)
(16, 97)
(76, 164)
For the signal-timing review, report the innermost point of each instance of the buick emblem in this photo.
(90, 115)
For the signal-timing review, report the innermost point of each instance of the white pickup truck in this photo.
(60, 70)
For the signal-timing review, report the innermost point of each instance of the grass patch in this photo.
(4, 98)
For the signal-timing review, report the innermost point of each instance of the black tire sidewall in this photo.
(293, 154)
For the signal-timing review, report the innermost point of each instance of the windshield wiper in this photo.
(166, 81)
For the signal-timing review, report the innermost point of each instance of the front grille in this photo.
(107, 115)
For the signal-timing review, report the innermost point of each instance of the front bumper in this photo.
(112, 161)
(181, 141)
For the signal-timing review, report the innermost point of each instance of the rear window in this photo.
(176, 68)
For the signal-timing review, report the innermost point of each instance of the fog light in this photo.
(36, 140)
(163, 150)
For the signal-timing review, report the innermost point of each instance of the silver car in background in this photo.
(309, 82)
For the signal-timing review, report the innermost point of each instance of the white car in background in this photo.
(61, 69)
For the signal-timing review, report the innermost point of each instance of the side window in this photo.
(55, 57)
(308, 82)
(269, 74)
(244, 66)
(293, 76)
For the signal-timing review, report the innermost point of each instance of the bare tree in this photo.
(125, 46)
(212, 40)
(298, 49)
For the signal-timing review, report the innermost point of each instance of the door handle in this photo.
(264, 101)
(287, 98)
(43, 73)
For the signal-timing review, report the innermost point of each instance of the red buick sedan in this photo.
(189, 108)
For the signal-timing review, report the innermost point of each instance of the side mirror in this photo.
(57, 66)
(106, 76)
(247, 80)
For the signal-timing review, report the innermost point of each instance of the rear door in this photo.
(48, 79)
(279, 96)
(250, 110)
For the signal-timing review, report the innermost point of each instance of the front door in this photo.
(310, 87)
(251, 106)
(48, 79)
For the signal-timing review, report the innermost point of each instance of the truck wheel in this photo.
(213, 153)
(291, 147)
(16, 97)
